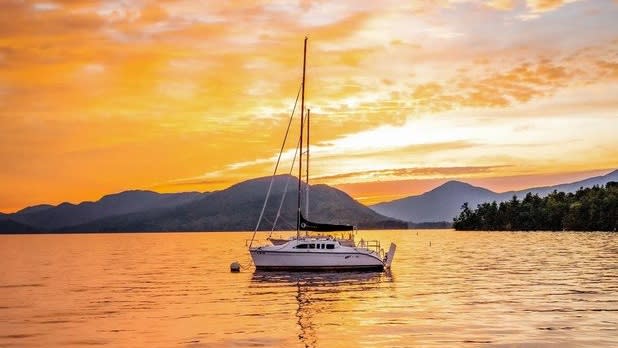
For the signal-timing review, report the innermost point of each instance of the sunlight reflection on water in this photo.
(175, 289)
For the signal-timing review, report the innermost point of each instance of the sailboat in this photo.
(307, 252)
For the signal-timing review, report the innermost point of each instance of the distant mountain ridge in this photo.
(9, 225)
(568, 187)
(35, 208)
(48, 217)
(444, 202)
(434, 205)
(236, 208)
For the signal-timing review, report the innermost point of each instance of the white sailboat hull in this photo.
(315, 260)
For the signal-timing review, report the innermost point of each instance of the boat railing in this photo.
(371, 245)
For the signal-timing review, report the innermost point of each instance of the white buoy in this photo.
(235, 267)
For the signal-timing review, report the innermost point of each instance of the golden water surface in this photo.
(174, 289)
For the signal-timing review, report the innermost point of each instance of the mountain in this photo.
(47, 217)
(35, 208)
(570, 187)
(10, 226)
(439, 204)
(444, 202)
(238, 207)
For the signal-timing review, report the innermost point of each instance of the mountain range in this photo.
(49, 217)
(236, 208)
(444, 202)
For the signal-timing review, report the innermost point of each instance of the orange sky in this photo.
(101, 96)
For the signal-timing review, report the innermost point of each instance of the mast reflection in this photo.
(319, 292)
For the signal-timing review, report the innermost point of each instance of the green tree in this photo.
(594, 208)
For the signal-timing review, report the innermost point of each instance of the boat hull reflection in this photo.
(316, 294)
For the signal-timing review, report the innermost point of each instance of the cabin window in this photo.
(321, 246)
(301, 246)
(311, 246)
(330, 246)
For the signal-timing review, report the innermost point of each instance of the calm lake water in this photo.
(175, 289)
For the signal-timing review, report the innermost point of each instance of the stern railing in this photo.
(371, 245)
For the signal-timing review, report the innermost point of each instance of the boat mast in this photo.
(300, 162)
(307, 179)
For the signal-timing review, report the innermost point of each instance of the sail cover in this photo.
(318, 227)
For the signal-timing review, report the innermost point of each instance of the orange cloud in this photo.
(545, 5)
(608, 69)
(406, 172)
(98, 96)
(501, 4)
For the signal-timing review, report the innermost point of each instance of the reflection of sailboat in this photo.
(317, 295)
(304, 314)
(332, 280)
(322, 252)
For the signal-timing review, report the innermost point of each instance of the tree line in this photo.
(589, 209)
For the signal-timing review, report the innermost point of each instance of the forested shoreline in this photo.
(588, 209)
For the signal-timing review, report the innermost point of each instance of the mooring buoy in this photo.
(235, 267)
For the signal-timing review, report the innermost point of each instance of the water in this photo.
(175, 289)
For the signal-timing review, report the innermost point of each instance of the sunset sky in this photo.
(98, 97)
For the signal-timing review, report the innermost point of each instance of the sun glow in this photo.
(99, 97)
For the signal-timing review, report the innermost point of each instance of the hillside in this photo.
(435, 205)
(11, 226)
(47, 217)
(444, 202)
(588, 209)
(237, 208)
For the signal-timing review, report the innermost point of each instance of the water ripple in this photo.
(470, 289)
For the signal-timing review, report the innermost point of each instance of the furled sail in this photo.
(319, 227)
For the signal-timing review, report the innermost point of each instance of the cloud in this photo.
(538, 6)
(45, 6)
(608, 69)
(519, 84)
(534, 6)
(93, 68)
(191, 183)
(190, 89)
(501, 4)
(386, 174)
